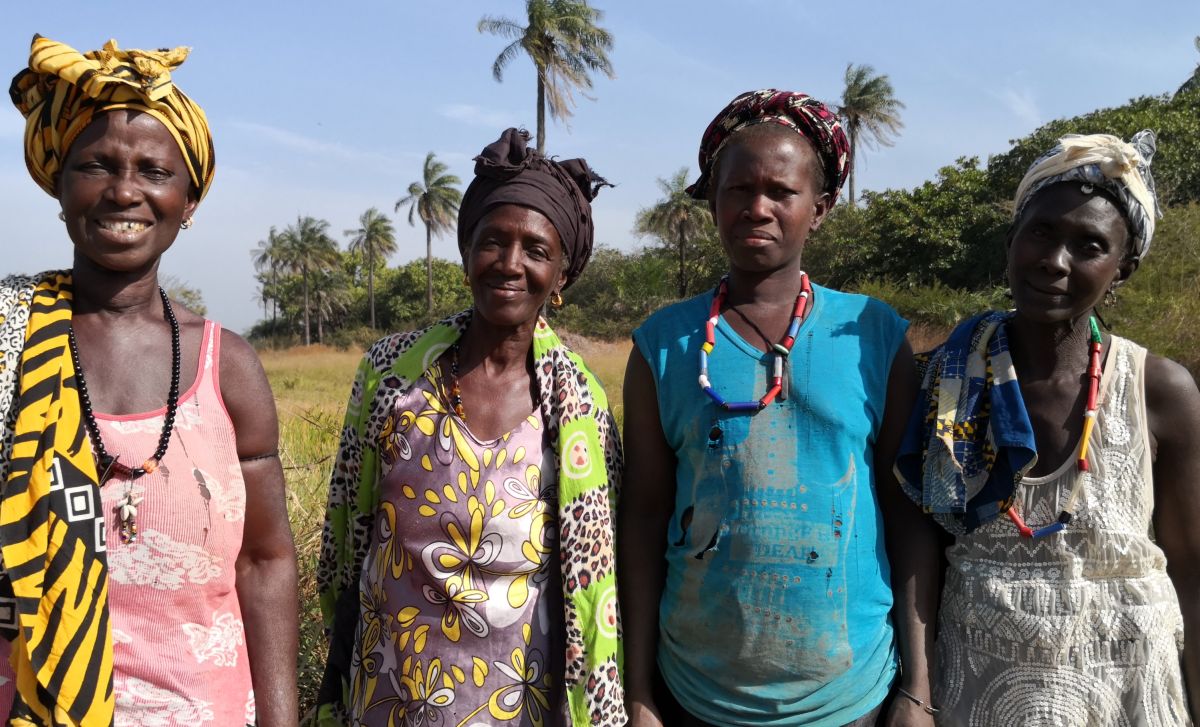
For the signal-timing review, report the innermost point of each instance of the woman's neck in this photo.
(778, 287)
(498, 349)
(1047, 350)
(105, 292)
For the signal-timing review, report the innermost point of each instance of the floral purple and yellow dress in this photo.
(460, 593)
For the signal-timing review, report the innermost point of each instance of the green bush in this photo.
(353, 338)
(934, 305)
(1159, 307)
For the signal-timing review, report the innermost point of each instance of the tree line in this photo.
(934, 251)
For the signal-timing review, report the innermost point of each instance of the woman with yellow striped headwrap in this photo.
(133, 586)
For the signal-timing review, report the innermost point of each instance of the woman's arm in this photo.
(1173, 409)
(266, 564)
(912, 547)
(647, 501)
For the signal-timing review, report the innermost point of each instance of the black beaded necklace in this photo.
(109, 465)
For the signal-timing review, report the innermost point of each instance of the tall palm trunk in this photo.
(429, 270)
(371, 281)
(307, 337)
(320, 325)
(541, 113)
(274, 299)
(853, 163)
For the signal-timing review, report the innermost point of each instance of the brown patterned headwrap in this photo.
(63, 90)
(797, 111)
(509, 172)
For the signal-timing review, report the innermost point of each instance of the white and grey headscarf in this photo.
(1104, 161)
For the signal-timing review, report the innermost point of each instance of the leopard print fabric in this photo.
(573, 406)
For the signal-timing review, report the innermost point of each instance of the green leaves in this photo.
(684, 227)
(566, 45)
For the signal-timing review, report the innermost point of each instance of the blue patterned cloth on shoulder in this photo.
(969, 440)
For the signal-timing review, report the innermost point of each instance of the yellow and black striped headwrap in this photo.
(63, 90)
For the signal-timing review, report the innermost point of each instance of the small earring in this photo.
(1110, 298)
(467, 281)
(556, 300)
(186, 224)
(62, 215)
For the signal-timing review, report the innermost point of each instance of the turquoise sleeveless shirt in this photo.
(775, 609)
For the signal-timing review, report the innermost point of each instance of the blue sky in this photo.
(328, 108)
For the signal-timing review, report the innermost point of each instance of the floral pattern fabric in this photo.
(459, 597)
(587, 459)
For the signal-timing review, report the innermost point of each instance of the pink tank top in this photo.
(179, 646)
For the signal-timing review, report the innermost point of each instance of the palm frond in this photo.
(502, 27)
(511, 51)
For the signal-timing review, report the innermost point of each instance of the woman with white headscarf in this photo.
(1063, 460)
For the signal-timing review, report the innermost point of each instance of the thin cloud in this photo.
(1022, 105)
(477, 116)
(310, 146)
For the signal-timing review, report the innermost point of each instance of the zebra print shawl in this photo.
(54, 586)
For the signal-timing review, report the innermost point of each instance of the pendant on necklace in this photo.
(126, 511)
(126, 507)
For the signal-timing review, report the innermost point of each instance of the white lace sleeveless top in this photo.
(1077, 628)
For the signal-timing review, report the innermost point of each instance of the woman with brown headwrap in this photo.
(148, 570)
(467, 567)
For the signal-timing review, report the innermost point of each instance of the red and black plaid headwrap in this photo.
(809, 117)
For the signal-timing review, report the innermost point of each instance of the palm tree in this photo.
(565, 44)
(870, 111)
(374, 237)
(268, 259)
(308, 249)
(1193, 81)
(331, 297)
(435, 200)
(677, 219)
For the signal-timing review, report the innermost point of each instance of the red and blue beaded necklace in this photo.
(780, 350)
(1081, 465)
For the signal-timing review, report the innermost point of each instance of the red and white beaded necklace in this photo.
(1081, 465)
(781, 350)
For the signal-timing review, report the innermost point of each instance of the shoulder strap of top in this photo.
(210, 363)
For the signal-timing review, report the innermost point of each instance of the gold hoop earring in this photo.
(186, 224)
(556, 300)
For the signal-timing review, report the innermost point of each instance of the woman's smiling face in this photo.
(1066, 251)
(514, 262)
(124, 191)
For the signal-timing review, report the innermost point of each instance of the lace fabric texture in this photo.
(1078, 628)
